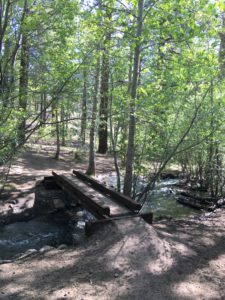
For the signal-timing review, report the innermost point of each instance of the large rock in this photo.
(48, 200)
(46, 248)
(221, 202)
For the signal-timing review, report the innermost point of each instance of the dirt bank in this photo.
(126, 260)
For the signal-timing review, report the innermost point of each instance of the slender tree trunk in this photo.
(114, 138)
(6, 82)
(23, 84)
(57, 129)
(217, 159)
(5, 62)
(43, 107)
(91, 163)
(217, 170)
(209, 176)
(104, 99)
(84, 108)
(104, 89)
(222, 48)
(128, 179)
(63, 130)
(125, 122)
(214, 163)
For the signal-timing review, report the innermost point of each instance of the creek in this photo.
(18, 237)
(52, 230)
(57, 228)
(161, 200)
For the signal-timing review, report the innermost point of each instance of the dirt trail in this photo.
(126, 260)
(33, 165)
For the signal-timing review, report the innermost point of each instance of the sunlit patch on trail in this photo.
(196, 290)
(164, 261)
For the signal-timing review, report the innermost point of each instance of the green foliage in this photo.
(180, 49)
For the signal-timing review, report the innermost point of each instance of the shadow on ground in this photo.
(127, 260)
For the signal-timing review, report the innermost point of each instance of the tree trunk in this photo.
(57, 134)
(43, 107)
(23, 84)
(125, 121)
(104, 98)
(222, 48)
(84, 108)
(104, 89)
(91, 163)
(210, 166)
(5, 47)
(62, 127)
(128, 179)
(114, 138)
(214, 179)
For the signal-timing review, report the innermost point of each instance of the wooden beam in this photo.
(96, 209)
(91, 226)
(122, 199)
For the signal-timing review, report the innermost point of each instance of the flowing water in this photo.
(58, 229)
(161, 200)
(52, 230)
(18, 237)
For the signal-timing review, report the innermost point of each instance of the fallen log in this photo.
(203, 199)
(191, 202)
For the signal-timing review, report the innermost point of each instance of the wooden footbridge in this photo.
(104, 203)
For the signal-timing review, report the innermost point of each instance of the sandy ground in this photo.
(129, 259)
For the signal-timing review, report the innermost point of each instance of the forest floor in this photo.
(176, 259)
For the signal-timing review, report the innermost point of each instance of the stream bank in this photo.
(162, 200)
(176, 260)
(52, 222)
(170, 260)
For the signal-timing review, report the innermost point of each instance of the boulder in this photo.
(46, 248)
(221, 202)
(62, 247)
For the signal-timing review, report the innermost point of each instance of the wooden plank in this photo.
(91, 226)
(126, 201)
(97, 210)
(99, 197)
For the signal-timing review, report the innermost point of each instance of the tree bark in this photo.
(104, 99)
(84, 107)
(222, 48)
(104, 89)
(128, 179)
(43, 107)
(114, 138)
(57, 134)
(63, 129)
(23, 83)
(91, 162)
